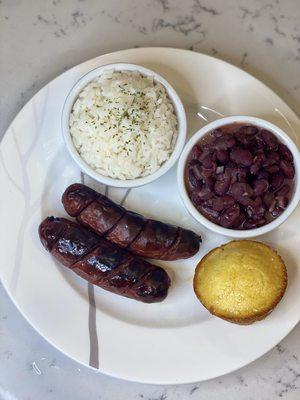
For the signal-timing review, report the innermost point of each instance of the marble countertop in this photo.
(40, 40)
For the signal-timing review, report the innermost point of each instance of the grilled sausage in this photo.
(103, 263)
(142, 236)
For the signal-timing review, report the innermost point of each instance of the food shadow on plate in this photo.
(179, 309)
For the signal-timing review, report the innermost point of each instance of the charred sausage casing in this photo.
(144, 237)
(103, 263)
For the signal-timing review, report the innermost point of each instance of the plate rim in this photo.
(7, 289)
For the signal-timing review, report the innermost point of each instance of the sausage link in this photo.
(144, 237)
(103, 263)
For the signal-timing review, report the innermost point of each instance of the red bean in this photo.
(202, 193)
(241, 156)
(269, 139)
(287, 168)
(238, 177)
(217, 133)
(255, 167)
(276, 181)
(245, 141)
(245, 135)
(207, 162)
(196, 152)
(208, 172)
(220, 203)
(259, 142)
(222, 156)
(193, 162)
(272, 169)
(229, 216)
(205, 152)
(260, 186)
(208, 212)
(273, 155)
(276, 212)
(249, 130)
(258, 159)
(269, 199)
(197, 170)
(196, 200)
(208, 187)
(222, 184)
(225, 142)
(263, 175)
(229, 171)
(236, 173)
(272, 206)
(283, 191)
(271, 158)
(285, 152)
(251, 223)
(240, 221)
(203, 173)
(193, 180)
(241, 191)
(245, 201)
(282, 201)
(256, 209)
(241, 174)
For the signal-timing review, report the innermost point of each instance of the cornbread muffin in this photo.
(241, 281)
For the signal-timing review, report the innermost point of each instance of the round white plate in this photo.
(176, 341)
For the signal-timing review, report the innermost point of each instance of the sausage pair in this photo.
(144, 237)
(103, 263)
(106, 263)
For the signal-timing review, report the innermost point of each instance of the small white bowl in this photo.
(234, 233)
(178, 107)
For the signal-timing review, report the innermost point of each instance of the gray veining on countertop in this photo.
(40, 40)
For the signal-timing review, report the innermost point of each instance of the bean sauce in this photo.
(240, 176)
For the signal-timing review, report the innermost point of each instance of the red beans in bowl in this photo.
(240, 176)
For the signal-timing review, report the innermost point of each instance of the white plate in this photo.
(176, 341)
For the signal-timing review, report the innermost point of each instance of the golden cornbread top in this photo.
(241, 278)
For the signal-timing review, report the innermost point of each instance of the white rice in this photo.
(123, 125)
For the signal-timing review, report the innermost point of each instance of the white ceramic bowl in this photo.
(283, 137)
(179, 110)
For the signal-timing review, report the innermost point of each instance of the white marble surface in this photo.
(41, 39)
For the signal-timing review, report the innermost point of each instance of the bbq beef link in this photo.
(103, 263)
(142, 236)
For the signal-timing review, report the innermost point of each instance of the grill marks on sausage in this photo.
(145, 237)
(73, 243)
(129, 274)
(78, 199)
(126, 229)
(153, 284)
(186, 243)
(102, 214)
(155, 239)
(102, 263)
(50, 233)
